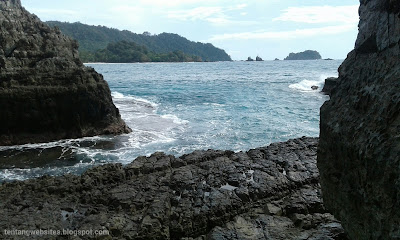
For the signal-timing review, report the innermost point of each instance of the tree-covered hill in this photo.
(128, 52)
(93, 38)
(306, 55)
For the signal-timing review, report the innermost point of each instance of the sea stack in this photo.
(46, 93)
(359, 150)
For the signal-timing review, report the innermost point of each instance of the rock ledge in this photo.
(265, 193)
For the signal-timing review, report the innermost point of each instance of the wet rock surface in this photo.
(359, 151)
(266, 193)
(46, 93)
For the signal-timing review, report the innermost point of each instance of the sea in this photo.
(177, 108)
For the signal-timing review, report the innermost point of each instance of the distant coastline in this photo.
(162, 47)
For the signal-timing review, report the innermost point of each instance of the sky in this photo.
(267, 28)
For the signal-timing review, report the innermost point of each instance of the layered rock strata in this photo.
(359, 151)
(265, 193)
(46, 93)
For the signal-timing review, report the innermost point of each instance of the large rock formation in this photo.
(359, 152)
(265, 193)
(46, 93)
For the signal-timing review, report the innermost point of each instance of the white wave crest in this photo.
(119, 97)
(305, 85)
(175, 119)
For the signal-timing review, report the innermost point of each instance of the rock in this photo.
(329, 85)
(359, 151)
(249, 59)
(274, 193)
(46, 93)
(259, 59)
(313, 87)
(328, 59)
(306, 55)
(276, 59)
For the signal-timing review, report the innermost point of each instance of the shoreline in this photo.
(205, 193)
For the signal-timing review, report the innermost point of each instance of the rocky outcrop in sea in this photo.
(359, 151)
(46, 93)
(329, 85)
(266, 193)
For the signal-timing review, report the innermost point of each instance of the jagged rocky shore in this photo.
(266, 193)
(46, 93)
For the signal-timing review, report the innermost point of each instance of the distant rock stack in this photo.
(359, 149)
(46, 93)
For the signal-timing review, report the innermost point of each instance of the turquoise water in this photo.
(180, 107)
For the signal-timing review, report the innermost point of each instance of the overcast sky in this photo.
(268, 28)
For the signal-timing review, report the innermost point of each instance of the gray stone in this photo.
(46, 93)
(359, 151)
(277, 196)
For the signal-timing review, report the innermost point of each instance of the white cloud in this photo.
(214, 15)
(52, 14)
(298, 33)
(320, 14)
(199, 13)
(172, 3)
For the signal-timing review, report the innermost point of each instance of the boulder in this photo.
(46, 93)
(359, 151)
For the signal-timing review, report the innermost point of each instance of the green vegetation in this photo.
(94, 38)
(128, 52)
(306, 55)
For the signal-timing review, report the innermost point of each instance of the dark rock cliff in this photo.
(46, 93)
(359, 151)
(265, 193)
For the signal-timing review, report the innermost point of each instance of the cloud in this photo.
(199, 13)
(320, 14)
(298, 33)
(132, 14)
(171, 3)
(51, 14)
(214, 15)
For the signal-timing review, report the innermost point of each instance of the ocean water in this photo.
(177, 108)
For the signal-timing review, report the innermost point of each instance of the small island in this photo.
(306, 55)
(259, 59)
(249, 59)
